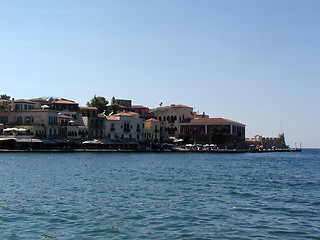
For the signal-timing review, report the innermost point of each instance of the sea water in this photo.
(160, 196)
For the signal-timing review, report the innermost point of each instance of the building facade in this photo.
(93, 121)
(151, 130)
(170, 118)
(124, 126)
(198, 131)
(267, 142)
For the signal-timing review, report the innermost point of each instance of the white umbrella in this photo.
(11, 130)
(45, 106)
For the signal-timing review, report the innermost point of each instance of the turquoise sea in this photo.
(160, 196)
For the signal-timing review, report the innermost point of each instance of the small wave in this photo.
(242, 194)
(248, 210)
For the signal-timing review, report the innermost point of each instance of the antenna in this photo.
(281, 127)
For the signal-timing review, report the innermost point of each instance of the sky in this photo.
(255, 62)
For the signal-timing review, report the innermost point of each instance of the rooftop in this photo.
(88, 108)
(152, 120)
(65, 116)
(116, 116)
(63, 101)
(138, 106)
(210, 120)
(173, 106)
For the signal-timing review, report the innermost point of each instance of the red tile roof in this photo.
(139, 106)
(210, 120)
(112, 118)
(64, 116)
(115, 116)
(22, 100)
(127, 114)
(64, 101)
(179, 106)
(152, 120)
(88, 108)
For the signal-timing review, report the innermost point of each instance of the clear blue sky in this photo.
(256, 62)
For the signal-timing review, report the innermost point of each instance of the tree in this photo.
(114, 108)
(5, 97)
(217, 134)
(98, 102)
(4, 107)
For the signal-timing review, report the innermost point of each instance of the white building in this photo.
(124, 126)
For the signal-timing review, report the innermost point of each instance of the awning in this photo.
(14, 130)
(28, 140)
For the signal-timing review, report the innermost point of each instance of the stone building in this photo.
(267, 142)
(170, 118)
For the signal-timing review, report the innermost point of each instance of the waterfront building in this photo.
(170, 118)
(267, 142)
(77, 132)
(46, 118)
(4, 117)
(197, 130)
(66, 107)
(93, 121)
(64, 122)
(151, 130)
(124, 126)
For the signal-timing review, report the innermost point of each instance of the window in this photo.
(28, 120)
(159, 118)
(19, 120)
(4, 120)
